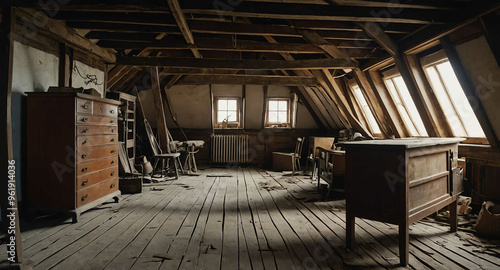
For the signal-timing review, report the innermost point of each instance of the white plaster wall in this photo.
(78, 81)
(33, 71)
(254, 106)
(483, 70)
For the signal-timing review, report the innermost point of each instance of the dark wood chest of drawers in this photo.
(72, 151)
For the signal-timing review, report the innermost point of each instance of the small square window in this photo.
(278, 112)
(227, 113)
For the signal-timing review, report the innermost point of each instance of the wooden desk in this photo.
(400, 182)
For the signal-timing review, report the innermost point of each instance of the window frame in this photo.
(433, 60)
(218, 124)
(288, 112)
(362, 110)
(391, 74)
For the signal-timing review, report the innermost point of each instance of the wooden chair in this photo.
(158, 155)
(331, 168)
(293, 157)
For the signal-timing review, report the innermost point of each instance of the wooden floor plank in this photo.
(249, 225)
(253, 220)
(102, 252)
(193, 248)
(156, 251)
(211, 249)
(101, 235)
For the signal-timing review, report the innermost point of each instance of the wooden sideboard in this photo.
(400, 182)
(72, 152)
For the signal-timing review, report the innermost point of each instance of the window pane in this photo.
(464, 110)
(283, 105)
(221, 115)
(222, 105)
(393, 91)
(232, 116)
(232, 104)
(366, 109)
(406, 119)
(273, 105)
(273, 117)
(282, 117)
(410, 105)
(445, 102)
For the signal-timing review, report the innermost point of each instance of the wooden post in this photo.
(10, 214)
(161, 123)
(62, 65)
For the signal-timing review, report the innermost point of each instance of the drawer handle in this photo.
(101, 109)
(86, 106)
(112, 185)
(85, 119)
(84, 142)
(85, 130)
(85, 182)
(113, 151)
(113, 139)
(84, 155)
(84, 169)
(112, 121)
(112, 130)
(112, 111)
(85, 197)
(112, 173)
(112, 162)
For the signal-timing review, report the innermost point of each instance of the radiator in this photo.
(229, 148)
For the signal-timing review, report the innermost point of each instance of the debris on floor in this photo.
(270, 186)
(488, 221)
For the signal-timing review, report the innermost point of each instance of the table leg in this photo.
(453, 216)
(350, 226)
(404, 243)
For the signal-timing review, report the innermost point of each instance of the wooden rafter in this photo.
(319, 12)
(235, 64)
(59, 31)
(175, 8)
(249, 80)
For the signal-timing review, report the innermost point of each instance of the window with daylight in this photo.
(227, 112)
(367, 113)
(278, 112)
(405, 105)
(451, 97)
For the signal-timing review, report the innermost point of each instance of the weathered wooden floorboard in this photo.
(116, 244)
(156, 251)
(253, 220)
(50, 246)
(211, 243)
(275, 242)
(111, 228)
(178, 248)
(249, 225)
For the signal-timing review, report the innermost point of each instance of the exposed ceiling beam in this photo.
(235, 64)
(320, 12)
(422, 4)
(59, 31)
(215, 44)
(248, 80)
(158, 19)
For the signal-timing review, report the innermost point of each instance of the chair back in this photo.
(152, 139)
(298, 146)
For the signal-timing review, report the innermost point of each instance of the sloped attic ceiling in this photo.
(299, 43)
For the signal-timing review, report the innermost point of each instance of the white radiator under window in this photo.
(229, 148)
